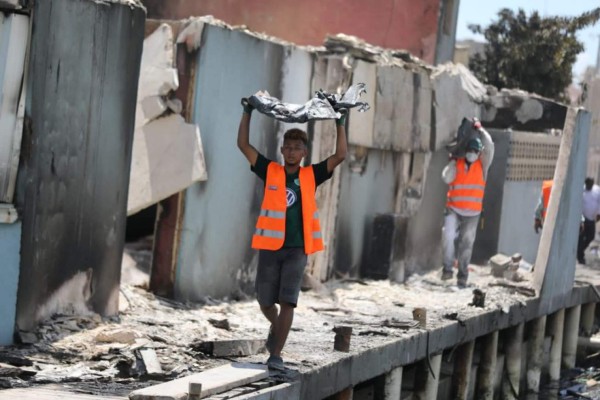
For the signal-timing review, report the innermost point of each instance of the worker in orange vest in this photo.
(288, 226)
(542, 207)
(466, 177)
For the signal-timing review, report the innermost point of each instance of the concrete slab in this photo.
(14, 31)
(157, 75)
(213, 381)
(167, 157)
(331, 378)
(555, 261)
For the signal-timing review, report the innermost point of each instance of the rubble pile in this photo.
(156, 339)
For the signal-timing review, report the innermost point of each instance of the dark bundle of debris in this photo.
(468, 129)
(322, 106)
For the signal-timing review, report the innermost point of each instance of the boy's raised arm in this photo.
(341, 145)
(243, 139)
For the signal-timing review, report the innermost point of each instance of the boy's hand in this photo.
(341, 121)
(247, 106)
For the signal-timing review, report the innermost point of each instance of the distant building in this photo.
(464, 50)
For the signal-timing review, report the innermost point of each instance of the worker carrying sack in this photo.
(468, 129)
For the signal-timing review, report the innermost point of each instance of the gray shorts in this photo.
(279, 275)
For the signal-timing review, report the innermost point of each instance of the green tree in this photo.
(531, 53)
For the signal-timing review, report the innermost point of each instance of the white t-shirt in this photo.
(591, 203)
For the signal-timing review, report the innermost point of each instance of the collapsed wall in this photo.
(392, 175)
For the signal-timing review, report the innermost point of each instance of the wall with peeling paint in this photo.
(424, 230)
(368, 181)
(76, 155)
(215, 257)
(394, 163)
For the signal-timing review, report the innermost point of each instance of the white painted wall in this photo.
(14, 38)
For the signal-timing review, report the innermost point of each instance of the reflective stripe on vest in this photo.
(270, 227)
(467, 189)
(546, 190)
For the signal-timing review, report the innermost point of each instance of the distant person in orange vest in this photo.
(288, 227)
(466, 177)
(542, 207)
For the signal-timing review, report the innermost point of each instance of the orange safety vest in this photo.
(270, 227)
(546, 189)
(466, 191)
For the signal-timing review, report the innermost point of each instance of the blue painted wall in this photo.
(10, 247)
(215, 258)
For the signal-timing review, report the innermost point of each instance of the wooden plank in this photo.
(51, 392)
(213, 381)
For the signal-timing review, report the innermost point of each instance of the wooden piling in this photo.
(535, 353)
(342, 338)
(420, 315)
(513, 345)
(571, 334)
(462, 370)
(484, 389)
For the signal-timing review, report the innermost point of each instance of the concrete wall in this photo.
(394, 168)
(488, 230)
(76, 155)
(516, 224)
(14, 38)
(215, 257)
(367, 188)
(555, 260)
(405, 24)
(592, 104)
(424, 231)
(10, 246)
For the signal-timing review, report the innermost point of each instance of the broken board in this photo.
(213, 381)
